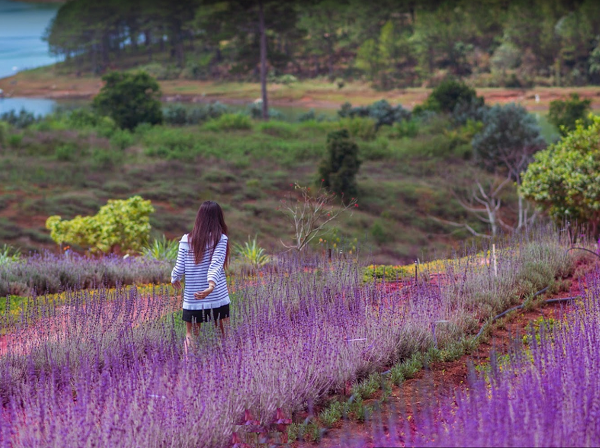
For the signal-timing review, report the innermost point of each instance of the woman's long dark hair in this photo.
(208, 228)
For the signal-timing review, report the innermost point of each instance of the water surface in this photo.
(22, 26)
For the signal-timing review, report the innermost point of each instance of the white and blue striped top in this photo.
(197, 276)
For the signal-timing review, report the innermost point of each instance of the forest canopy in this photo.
(390, 43)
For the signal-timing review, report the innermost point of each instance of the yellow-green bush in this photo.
(120, 224)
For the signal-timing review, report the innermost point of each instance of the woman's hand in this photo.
(202, 294)
(177, 285)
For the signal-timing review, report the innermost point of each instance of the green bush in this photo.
(278, 129)
(362, 128)
(406, 128)
(65, 152)
(105, 158)
(341, 164)
(565, 114)
(15, 140)
(129, 99)
(119, 225)
(506, 128)
(122, 139)
(162, 249)
(563, 178)
(448, 94)
(4, 130)
(229, 122)
(82, 118)
(176, 114)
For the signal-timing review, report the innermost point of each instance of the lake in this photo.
(22, 26)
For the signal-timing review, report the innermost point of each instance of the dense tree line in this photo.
(389, 42)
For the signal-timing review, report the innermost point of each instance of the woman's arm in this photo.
(179, 269)
(217, 261)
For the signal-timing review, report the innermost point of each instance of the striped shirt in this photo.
(197, 276)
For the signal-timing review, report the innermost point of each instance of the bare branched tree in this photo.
(311, 213)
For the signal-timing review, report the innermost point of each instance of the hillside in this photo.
(49, 169)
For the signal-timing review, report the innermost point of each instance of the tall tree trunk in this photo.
(148, 43)
(263, 60)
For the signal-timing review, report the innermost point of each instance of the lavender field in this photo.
(547, 395)
(109, 368)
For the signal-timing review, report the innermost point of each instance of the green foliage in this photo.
(365, 389)
(406, 128)
(129, 99)
(4, 131)
(563, 178)
(122, 139)
(381, 112)
(20, 120)
(105, 158)
(82, 118)
(120, 224)
(65, 152)
(362, 128)
(162, 249)
(508, 132)
(252, 253)
(255, 111)
(15, 140)
(565, 114)
(9, 254)
(341, 164)
(278, 129)
(387, 272)
(229, 122)
(448, 94)
(332, 414)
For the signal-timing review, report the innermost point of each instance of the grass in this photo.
(244, 165)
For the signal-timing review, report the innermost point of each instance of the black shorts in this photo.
(221, 312)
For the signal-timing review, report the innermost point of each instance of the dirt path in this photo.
(440, 380)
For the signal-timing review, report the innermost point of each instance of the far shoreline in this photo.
(317, 94)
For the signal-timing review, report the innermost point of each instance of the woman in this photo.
(202, 257)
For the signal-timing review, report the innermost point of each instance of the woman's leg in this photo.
(222, 324)
(192, 329)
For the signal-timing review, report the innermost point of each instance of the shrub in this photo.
(363, 128)
(9, 254)
(565, 114)
(255, 111)
(176, 114)
(563, 178)
(341, 164)
(4, 130)
(508, 127)
(81, 118)
(120, 224)
(381, 112)
(21, 120)
(406, 128)
(65, 152)
(312, 116)
(129, 99)
(448, 94)
(15, 140)
(162, 249)
(105, 158)
(252, 253)
(122, 139)
(278, 129)
(229, 122)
